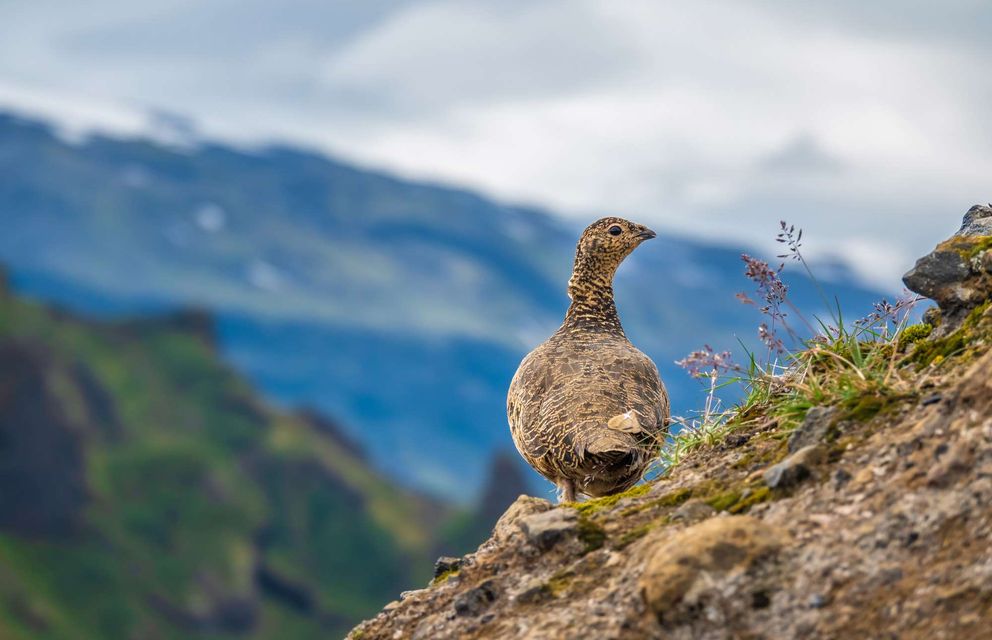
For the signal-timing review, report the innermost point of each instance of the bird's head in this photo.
(603, 246)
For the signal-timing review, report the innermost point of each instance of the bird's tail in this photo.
(612, 452)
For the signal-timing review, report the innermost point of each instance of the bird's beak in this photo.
(647, 234)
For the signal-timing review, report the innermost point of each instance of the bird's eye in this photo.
(615, 230)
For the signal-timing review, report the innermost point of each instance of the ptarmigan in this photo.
(588, 410)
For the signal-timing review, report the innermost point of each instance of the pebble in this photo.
(794, 469)
(545, 530)
(474, 601)
(446, 564)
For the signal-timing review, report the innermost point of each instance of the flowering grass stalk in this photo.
(836, 364)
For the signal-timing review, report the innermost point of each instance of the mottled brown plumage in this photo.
(587, 410)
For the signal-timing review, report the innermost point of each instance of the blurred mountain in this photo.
(401, 307)
(465, 529)
(145, 492)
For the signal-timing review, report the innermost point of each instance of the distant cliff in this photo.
(146, 492)
(867, 513)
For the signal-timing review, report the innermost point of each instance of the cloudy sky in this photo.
(869, 124)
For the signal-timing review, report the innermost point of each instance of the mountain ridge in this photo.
(400, 307)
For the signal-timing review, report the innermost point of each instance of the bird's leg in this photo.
(566, 491)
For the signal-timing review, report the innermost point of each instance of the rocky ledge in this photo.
(871, 518)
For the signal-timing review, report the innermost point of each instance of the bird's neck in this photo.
(593, 308)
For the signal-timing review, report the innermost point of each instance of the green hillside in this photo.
(145, 492)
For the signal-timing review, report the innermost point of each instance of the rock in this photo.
(475, 601)
(544, 530)
(794, 469)
(840, 478)
(977, 222)
(509, 523)
(392, 605)
(933, 398)
(693, 511)
(446, 564)
(736, 440)
(683, 567)
(814, 428)
(952, 463)
(957, 274)
(535, 592)
(935, 273)
(817, 601)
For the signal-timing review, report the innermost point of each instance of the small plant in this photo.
(855, 365)
(709, 426)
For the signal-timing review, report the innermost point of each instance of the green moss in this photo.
(914, 333)
(967, 246)
(590, 533)
(674, 498)
(724, 501)
(975, 317)
(766, 455)
(973, 329)
(739, 500)
(444, 577)
(594, 505)
(638, 532)
(862, 408)
(970, 246)
(559, 582)
(755, 496)
(937, 351)
(671, 499)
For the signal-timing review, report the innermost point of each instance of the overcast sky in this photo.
(870, 126)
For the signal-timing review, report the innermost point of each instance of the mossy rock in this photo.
(914, 333)
(976, 328)
(559, 582)
(444, 577)
(591, 534)
(968, 247)
(594, 505)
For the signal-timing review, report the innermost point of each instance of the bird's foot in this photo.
(566, 491)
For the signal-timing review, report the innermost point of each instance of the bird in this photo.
(587, 409)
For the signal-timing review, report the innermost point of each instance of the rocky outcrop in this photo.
(854, 523)
(957, 274)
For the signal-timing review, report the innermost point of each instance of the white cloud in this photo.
(695, 116)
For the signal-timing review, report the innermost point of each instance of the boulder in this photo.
(813, 429)
(682, 568)
(794, 469)
(544, 530)
(509, 522)
(957, 274)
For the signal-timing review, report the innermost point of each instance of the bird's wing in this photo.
(646, 394)
(523, 403)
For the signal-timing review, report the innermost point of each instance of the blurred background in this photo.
(269, 267)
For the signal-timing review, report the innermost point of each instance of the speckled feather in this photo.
(586, 408)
